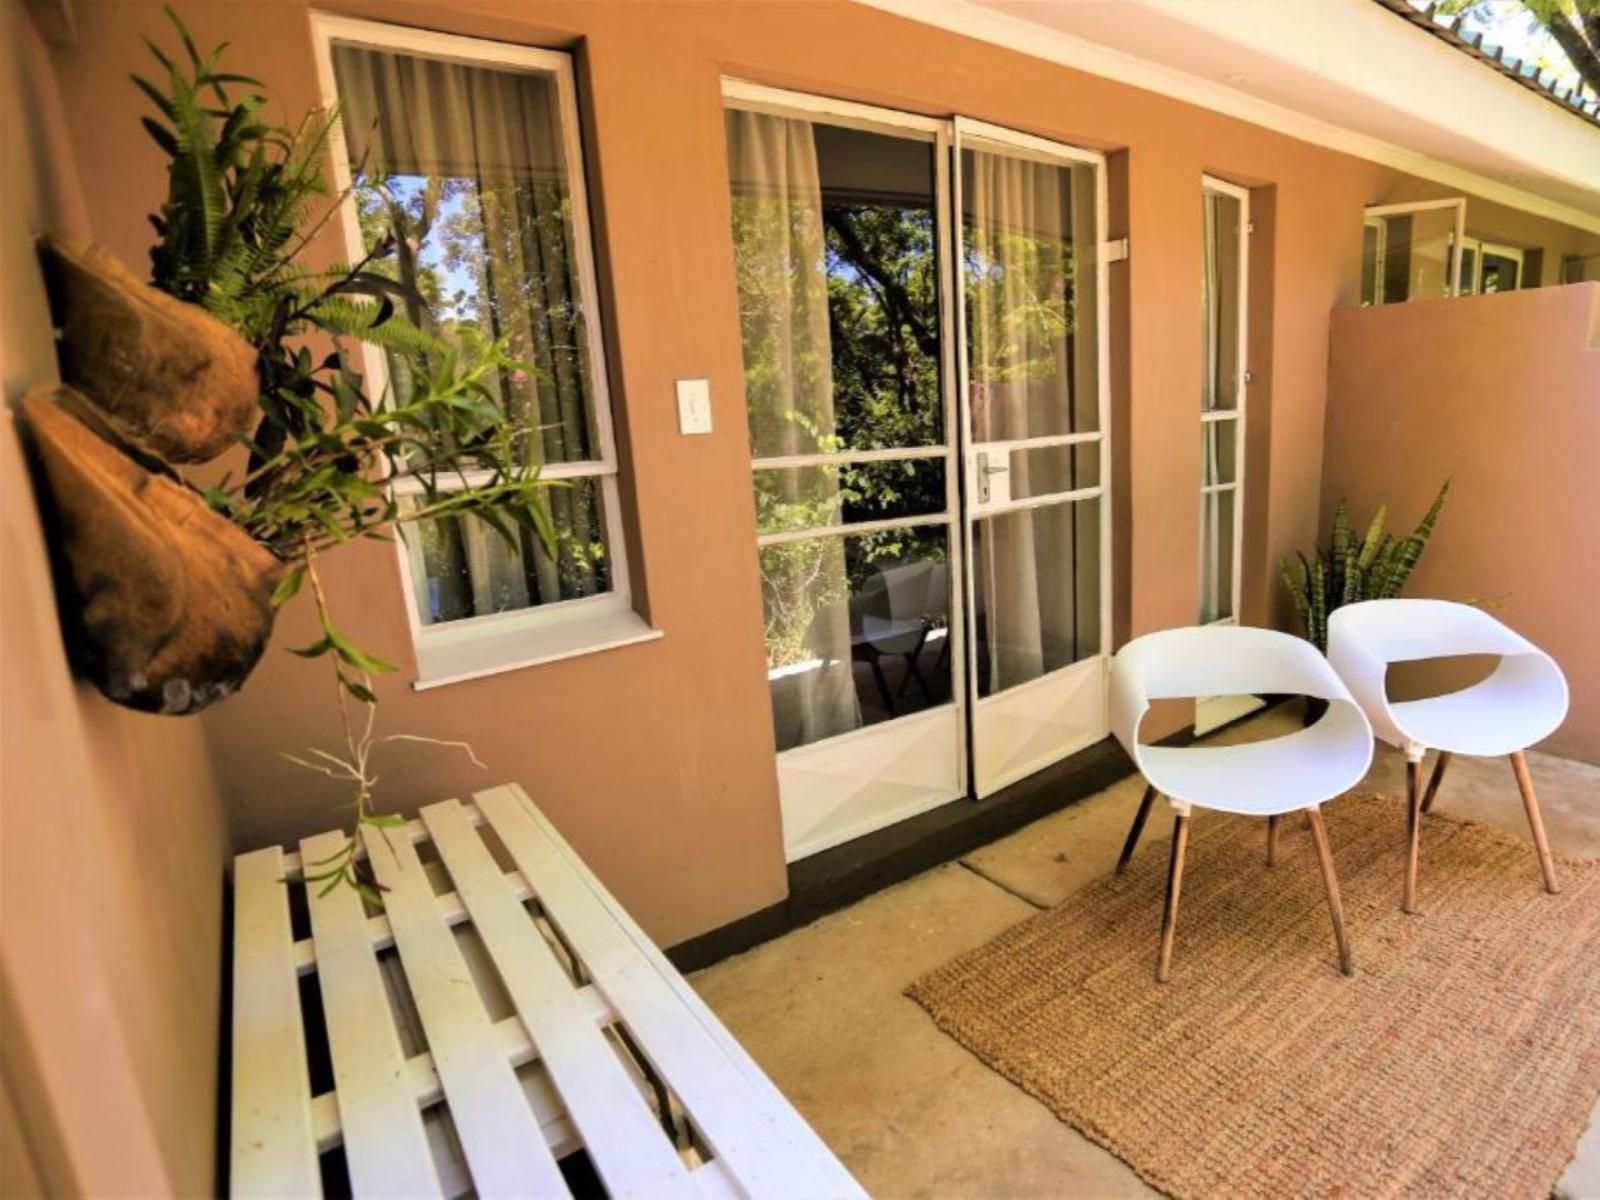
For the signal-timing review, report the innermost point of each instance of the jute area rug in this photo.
(1463, 1058)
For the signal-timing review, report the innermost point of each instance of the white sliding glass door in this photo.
(932, 557)
(840, 229)
(1224, 305)
(1032, 306)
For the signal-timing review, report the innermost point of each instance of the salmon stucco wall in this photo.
(113, 840)
(1501, 395)
(656, 760)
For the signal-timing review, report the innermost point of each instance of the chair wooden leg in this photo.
(1129, 846)
(1519, 764)
(1331, 881)
(1434, 780)
(1169, 915)
(1272, 840)
(1413, 832)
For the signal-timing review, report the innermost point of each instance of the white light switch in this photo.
(694, 406)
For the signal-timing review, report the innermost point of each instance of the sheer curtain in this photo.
(466, 165)
(1020, 256)
(780, 263)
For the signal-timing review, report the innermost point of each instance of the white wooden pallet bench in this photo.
(502, 1012)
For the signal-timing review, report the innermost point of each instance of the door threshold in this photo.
(838, 877)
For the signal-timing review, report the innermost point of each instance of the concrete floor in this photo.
(910, 1112)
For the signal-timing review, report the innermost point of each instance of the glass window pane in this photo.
(465, 166)
(1219, 442)
(1501, 273)
(1220, 314)
(1418, 249)
(792, 498)
(835, 258)
(857, 630)
(1036, 584)
(1371, 261)
(1469, 269)
(461, 567)
(1216, 556)
(1048, 470)
(1029, 272)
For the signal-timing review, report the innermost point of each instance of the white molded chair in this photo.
(1523, 701)
(1294, 773)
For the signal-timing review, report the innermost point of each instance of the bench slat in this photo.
(626, 1144)
(273, 1151)
(763, 1143)
(382, 937)
(504, 1147)
(381, 1126)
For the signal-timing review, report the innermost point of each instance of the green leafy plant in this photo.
(245, 198)
(1375, 566)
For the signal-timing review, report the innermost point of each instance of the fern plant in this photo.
(244, 200)
(1375, 566)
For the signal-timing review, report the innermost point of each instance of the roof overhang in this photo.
(1346, 74)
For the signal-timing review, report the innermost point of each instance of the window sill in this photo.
(447, 656)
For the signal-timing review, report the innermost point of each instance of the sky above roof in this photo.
(1507, 23)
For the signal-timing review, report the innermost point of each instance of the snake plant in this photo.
(1373, 567)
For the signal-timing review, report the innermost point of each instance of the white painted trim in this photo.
(845, 458)
(1479, 248)
(1411, 206)
(522, 643)
(984, 135)
(781, 537)
(757, 97)
(1042, 442)
(997, 139)
(1041, 42)
(903, 729)
(891, 123)
(1238, 414)
(411, 485)
(470, 640)
(947, 184)
(1459, 203)
(982, 512)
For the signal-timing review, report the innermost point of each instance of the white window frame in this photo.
(1237, 416)
(1479, 248)
(982, 136)
(1213, 712)
(1380, 254)
(471, 647)
(1459, 203)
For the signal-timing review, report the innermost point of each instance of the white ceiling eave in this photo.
(1345, 74)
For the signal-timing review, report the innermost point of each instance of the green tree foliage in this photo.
(1573, 25)
(882, 270)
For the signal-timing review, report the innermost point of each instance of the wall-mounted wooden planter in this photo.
(175, 378)
(166, 605)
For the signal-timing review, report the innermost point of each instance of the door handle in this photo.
(984, 471)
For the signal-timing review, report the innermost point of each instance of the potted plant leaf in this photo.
(237, 344)
(1375, 566)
